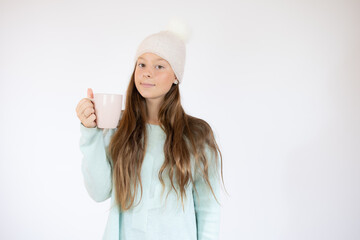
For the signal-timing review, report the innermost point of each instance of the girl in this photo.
(156, 148)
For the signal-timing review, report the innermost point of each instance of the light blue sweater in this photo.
(152, 218)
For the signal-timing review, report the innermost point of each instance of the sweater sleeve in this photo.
(96, 166)
(207, 209)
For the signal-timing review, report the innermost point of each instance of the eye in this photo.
(140, 65)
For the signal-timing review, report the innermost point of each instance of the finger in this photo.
(80, 112)
(85, 105)
(88, 111)
(80, 103)
(89, 125)
(79, 108)
(88, 121)
(90, 93)
(92, 125)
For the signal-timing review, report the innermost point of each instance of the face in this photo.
(153, 76)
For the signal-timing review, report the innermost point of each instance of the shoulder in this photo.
(198, 125)
(200, 131)
(204, 139)
(200, 128)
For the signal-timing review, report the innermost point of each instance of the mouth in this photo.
(147, 84)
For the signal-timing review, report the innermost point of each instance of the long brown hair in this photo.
(185, 136)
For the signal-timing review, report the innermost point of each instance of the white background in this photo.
(278, 81)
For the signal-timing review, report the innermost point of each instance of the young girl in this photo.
(156, 148)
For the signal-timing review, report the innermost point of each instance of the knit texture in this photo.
(167, 45)
(154, 218)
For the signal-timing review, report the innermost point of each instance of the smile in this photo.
(147, 85)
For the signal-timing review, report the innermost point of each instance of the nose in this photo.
(147, 72)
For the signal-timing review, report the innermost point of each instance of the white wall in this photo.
(278, 81)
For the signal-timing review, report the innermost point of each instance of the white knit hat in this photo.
(169, 45)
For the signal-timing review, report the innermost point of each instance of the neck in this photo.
(153, 106)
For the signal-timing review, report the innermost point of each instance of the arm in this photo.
(207, 209)
(96, 165)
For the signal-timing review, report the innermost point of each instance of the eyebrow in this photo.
(158, 59)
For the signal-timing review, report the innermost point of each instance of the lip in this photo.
(147, 85)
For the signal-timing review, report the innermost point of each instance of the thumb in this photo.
(90, 93)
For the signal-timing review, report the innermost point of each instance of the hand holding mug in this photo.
(105, 108)
(85, 110)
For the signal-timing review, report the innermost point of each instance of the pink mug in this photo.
(107, 109)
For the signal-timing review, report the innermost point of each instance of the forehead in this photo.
(151, 57)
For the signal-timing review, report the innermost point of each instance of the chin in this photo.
(146, 95)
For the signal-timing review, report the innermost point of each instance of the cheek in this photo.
(136, 74)
(165, 78)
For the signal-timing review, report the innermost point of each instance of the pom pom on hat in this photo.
(169, 44)
(180, 28)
